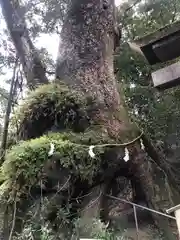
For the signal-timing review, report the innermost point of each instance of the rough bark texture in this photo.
(34, 70)
(85, 62)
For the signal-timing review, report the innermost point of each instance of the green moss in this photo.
(92, 136)
(53, 103)
(24, 162)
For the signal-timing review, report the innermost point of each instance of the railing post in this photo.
(136, 222)
(176, 211)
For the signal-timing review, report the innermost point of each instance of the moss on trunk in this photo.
(86, 53)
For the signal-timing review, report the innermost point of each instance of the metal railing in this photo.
(142, 207)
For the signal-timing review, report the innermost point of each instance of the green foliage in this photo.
(156, 113)
(94, 228)
(50, 14)
(30, 230)
(91, 136)
(53, 104)
(24, 162)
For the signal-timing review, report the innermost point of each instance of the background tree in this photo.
(3, 100)
(156, 112)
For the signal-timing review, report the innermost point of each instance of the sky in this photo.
(117, 2)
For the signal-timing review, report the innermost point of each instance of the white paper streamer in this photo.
(91, 153)
(126, 157)
(51, 151)
(142, 145)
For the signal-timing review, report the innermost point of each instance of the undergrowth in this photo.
(24, 162)
(53, 103)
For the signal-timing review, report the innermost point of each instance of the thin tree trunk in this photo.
(85, 62)
(33, 68)
(7, 115)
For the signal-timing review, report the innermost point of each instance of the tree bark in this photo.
(85, 62)
(7, 115)
(33, 68)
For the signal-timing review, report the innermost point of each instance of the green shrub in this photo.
(53, 103)
(24, 162)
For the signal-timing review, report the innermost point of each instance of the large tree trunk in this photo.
(34, 70)
(85, 62)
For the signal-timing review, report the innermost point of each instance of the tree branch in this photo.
(175, 11)
(132, 6)
(33, 68)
